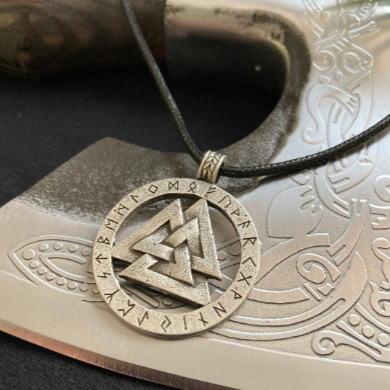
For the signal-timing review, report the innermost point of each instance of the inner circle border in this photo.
(202, 319)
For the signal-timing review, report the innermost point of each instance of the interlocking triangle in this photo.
(177, 259)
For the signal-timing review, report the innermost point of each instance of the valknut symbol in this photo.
(174, 252)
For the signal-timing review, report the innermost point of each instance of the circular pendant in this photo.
(173, 254)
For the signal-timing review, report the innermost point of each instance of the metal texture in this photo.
(318, 316)
(209, 167)
(255, 43)
(166, 265)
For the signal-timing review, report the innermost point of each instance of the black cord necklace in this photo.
(284, 167)
(187, 235)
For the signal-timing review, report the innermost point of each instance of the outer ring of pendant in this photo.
(200, 320)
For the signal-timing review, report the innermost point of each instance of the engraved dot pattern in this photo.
(383, 339)
(60, 262)
(199, 320)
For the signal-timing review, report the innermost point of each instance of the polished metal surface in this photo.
(255, 43)
(174, 253)
(318, 316)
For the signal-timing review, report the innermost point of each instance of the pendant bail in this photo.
(210, 166)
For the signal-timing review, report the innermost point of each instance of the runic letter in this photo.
(192, 187)
(141, 320)
(121, 207)
(236, 295)
(111, 295)
(201, 319)
(244, 278)
(219, 309)
(127, 311)
(108, 223)
(104, 276)
(228, 201)
(99, 258)
(251, 260)
(210, 190)
(252, 240)
(236, 212)
(134, 197)
(153, 189)
(174, 185)
(103, 240)
(244, 224)
(165, 324)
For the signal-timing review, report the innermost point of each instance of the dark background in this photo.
(46, 122)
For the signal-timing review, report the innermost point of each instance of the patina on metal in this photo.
(174, 253)
(318, 315)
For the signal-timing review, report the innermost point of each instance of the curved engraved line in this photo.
(383, 191)
(313, 102)
(282, 297)
(364, 111)
(45, 257)
(345, 244)
(382, 355)
(339, 32)
(23, 268)
(352, 286)
(379, 300)
(347, 329)
(314, 98)
(340, 339)
(278, 253)
(313, 258)
(327, 195)
(363, 312)
(359, 171)
(267, 296)
(325, 61)
(377, 245)
(366, 60)
(8, 274)
(257, 336)
(351, 63)
(343, 290)
(336, 118)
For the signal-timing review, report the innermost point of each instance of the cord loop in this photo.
(210, 167)
(306, 162)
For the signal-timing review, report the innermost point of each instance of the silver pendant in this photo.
(174, 253)
(317, 317)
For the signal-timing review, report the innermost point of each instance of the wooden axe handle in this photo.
(51, 36)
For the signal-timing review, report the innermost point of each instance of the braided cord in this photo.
(290, 166)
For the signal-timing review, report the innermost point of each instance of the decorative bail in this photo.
(210, 166)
